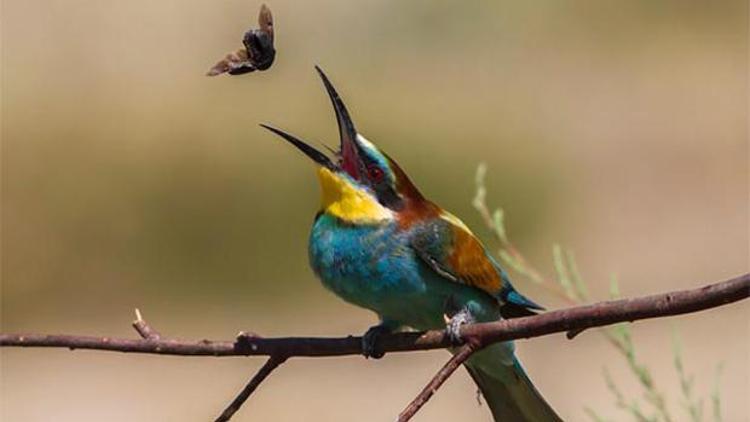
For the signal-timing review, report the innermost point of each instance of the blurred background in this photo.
(129, 179)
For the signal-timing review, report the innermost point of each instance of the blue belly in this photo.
(375, 268)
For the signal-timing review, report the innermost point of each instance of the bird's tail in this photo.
(506, 388)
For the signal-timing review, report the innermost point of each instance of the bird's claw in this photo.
(371, 347)
(245, 338)
(453, 325)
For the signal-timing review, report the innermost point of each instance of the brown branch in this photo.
(463, 353)
(272, 363)
(144, 330)
(579, 317)
(476, 336)
(570, 335)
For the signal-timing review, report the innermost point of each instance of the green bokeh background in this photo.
(129, 180)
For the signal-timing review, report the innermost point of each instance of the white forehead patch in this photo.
(365, 143)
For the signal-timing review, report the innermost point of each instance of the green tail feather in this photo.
(507, 390)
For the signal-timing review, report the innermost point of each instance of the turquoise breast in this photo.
(364, 264)
(373, 266)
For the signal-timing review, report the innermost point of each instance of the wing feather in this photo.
(455, 253)
(452, 251)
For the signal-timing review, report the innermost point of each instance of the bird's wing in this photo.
(454, 252)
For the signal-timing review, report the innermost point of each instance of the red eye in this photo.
(375, 173)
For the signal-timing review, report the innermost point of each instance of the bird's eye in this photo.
(375, 173)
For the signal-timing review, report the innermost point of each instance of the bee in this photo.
(257, 54)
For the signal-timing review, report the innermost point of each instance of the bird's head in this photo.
(360, 183)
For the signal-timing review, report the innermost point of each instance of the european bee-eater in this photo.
(378, 243)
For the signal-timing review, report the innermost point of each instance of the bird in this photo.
(257, 52)
(378, 243)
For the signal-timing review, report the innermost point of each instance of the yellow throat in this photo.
(340, 198)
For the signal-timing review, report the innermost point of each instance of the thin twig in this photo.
(143, 329)
(272, 363)
(463, 353)
(571, 334)
(595, 315)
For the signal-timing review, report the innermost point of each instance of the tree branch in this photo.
(574, 318)
(272, 363)
(144, 330)
(571, 320)
(463, 353)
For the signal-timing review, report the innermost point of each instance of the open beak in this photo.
(347, 133)
(311, 152)
(348, 156)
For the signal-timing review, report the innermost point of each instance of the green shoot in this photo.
(569, 285)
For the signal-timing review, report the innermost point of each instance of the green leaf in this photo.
(614, 287)
(562, 271)
(715, 393)
(498, 220)
(575, 275)
(593, 415)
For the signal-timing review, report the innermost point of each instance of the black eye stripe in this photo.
(389, 198)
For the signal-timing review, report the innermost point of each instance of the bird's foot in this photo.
(371, 347)
(453, 324)
(246, 341)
